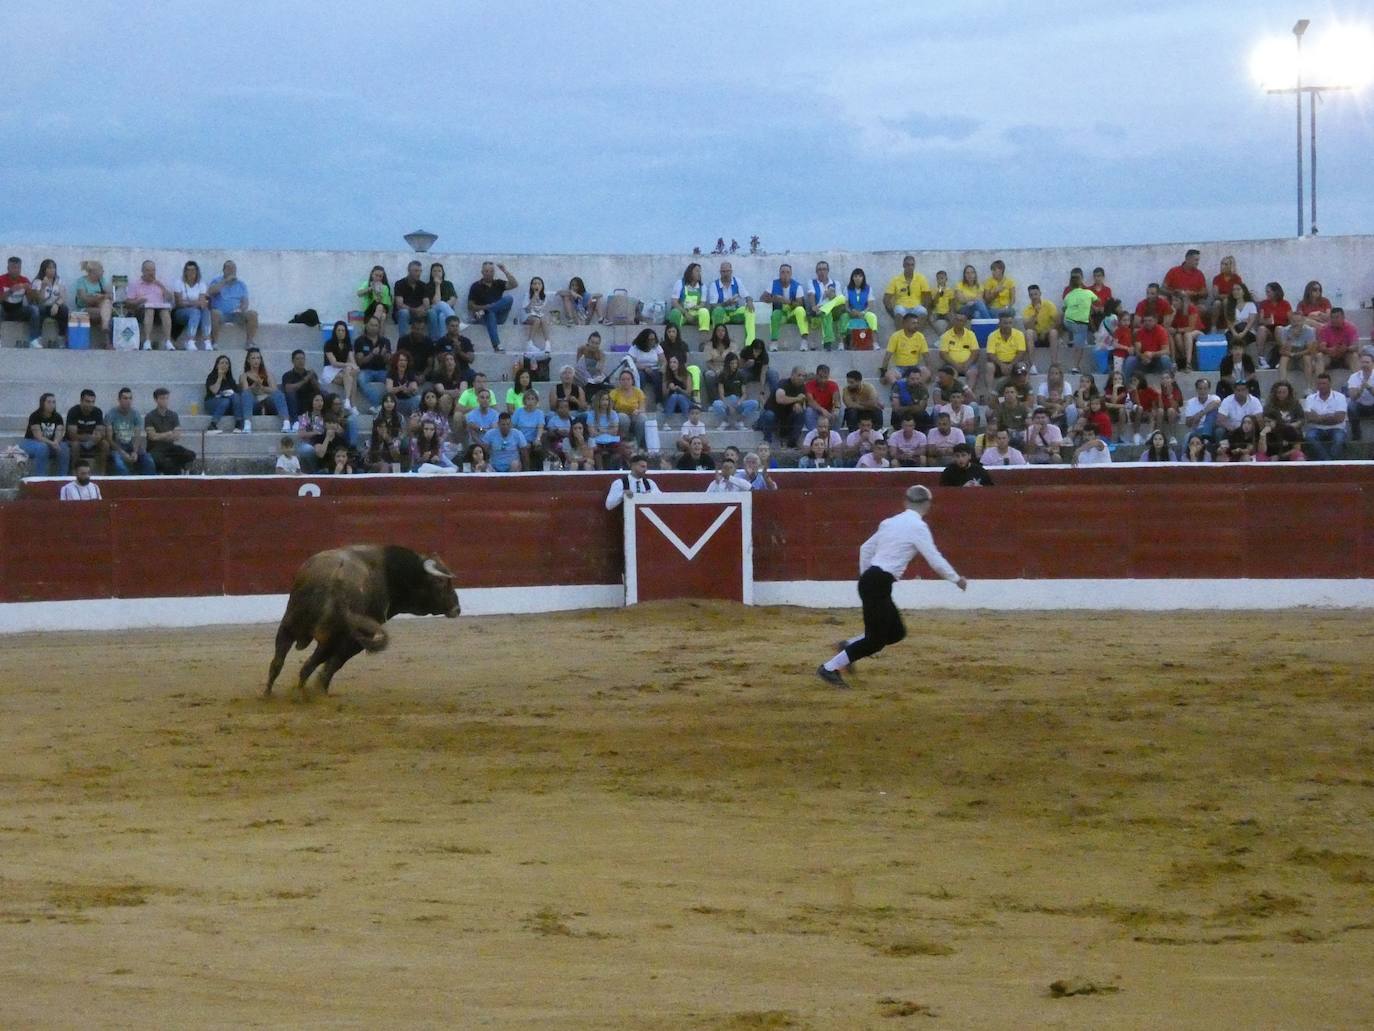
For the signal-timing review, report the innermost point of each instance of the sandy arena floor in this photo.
(660, 819)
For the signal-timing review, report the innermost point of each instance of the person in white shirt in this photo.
(730, 302)
(82, 488)
(1359, 391)
(726, 482)
(1093, 450)
(1327, 416)
(826, 299)
(1200, 411)
(883, 559)
(691, 429)
(1238, 404)
(1002, 453)
(637, 482)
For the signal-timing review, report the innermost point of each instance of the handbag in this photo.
(124, 333)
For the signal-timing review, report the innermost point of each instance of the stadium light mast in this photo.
(1342, 59)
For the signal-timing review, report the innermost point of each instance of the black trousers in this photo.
(882, 622)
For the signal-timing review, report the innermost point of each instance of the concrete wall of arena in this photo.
(284, 282)
(1126, 538)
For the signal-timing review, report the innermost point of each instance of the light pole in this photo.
(1298, 30)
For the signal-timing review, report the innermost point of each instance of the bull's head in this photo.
(441, 597)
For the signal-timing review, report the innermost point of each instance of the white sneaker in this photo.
(247, 425)
(1138, 439)
(209, 346)
(147, 345)
(213, 430)
(286, 425)
(1264, 363)
(190, 345)
(805, 346)
(36, 342)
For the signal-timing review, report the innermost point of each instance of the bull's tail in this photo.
(369, 634)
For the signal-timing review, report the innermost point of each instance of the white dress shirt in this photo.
(1232, 411)
(720, 485)
(1332, 404)
(74, 491)
(638, 485)
(895, 544)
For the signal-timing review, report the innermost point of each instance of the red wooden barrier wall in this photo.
(538, 530)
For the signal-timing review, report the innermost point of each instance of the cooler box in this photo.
(1211, 349)
(982, 329)
(1103, 360)
(79, 331)
(861, 339)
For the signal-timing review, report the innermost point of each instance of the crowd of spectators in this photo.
(942, 390)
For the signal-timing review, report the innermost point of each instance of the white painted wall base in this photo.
(1096, 595)
(996, 595)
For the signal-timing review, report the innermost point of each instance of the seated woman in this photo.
(629, 403)
(427, 448)
(579, 307)
(677, 389)
(689, 300)
(403, 384)
(530, 421)
(579, 454)
(968, 295)
(1222, 284)
(1284, 407)
(258, 390)
(443, 295)
(1159, 449)
(647, 355)
(730, 404)
(476, 460)
(1245, 440)
(92, 295)
(1184, 326)
(592, 369)
(431, 411)
(1240, 317)
(221, 393)
(388, 450)
(715, 349)
(1274, 314)
(1314, 305)
(696, 457)
(311, 432)
(515, 393)
(343, 463)
(1279, 441)
(339, 365)
(568, 389)
(191, 309)
(605, 428)
(1195, 450)
(817, 456)
(1116, 401)
(374, 294)
(334, 412)
(858, 303)
(534, 314)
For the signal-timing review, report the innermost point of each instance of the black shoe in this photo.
(830, 676)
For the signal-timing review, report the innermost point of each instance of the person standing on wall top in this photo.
(488, 302)
(883, 559)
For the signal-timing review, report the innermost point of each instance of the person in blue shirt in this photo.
(858, 299)
(508, 448)
(481, 420)
(229, 303)
(530, 422)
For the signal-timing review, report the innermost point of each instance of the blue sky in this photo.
(650, 126)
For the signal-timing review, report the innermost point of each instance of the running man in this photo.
(882, 561)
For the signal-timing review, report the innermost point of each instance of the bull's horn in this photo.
(432, 568)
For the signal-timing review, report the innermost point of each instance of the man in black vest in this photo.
(636, 482)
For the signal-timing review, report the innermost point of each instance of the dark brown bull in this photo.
(341, 598)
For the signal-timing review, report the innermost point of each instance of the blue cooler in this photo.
(1103, 359)
(1211, 349)
(982, 329)
(79, 333)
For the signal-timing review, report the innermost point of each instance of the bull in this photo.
(341, 598)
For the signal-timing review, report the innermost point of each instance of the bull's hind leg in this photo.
(316, 657)
(284, 642)
(342, 653)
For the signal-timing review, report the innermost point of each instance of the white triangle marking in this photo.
(702, 541)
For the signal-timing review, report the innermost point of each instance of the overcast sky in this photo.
(658, 126)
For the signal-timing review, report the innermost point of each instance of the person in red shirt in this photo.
(822, 393)
(1274, 314)
(1101, 419)
(1154, 304)
(1315, 306)
(1188, 278)
(1222, 282)
(1149, 350)
(1146, 406)
(1075, 281)
(1116, 401)
(14, 295)
(1184, 326)
(1170, 401)
(1099, 286)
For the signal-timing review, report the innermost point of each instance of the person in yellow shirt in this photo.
(1041, 319)
(941, 302)
(906, 292)
(906, 349)
(1006, 347)
(959, 348)
(968, 295)
(999, 292)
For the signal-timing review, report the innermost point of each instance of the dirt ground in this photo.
(660, 818)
